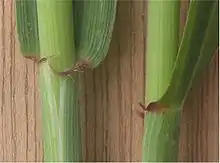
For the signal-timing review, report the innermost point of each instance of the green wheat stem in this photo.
(61, 122)
(161, 130)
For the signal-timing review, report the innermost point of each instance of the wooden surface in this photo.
(113, 130)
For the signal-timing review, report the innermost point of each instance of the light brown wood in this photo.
(113, 131)
(19, 118)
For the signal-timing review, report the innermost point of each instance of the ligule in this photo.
(27, 27)
(94, 27)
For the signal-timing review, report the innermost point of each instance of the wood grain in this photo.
(19, 137)
(113, 131)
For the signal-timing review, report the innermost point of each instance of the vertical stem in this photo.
(161, 130)
(61, 123)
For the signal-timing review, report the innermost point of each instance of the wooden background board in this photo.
(113, 131)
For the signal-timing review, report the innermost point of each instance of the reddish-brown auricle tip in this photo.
(78, 67)
(82, 65)
(154, 107)
(142, 112)
(157, 107)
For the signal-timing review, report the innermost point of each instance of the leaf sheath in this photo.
(161, 131)
(61, 122)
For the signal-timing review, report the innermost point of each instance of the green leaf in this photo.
(198, 45)
(94, 22)
(168, 78)
(27, 27)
